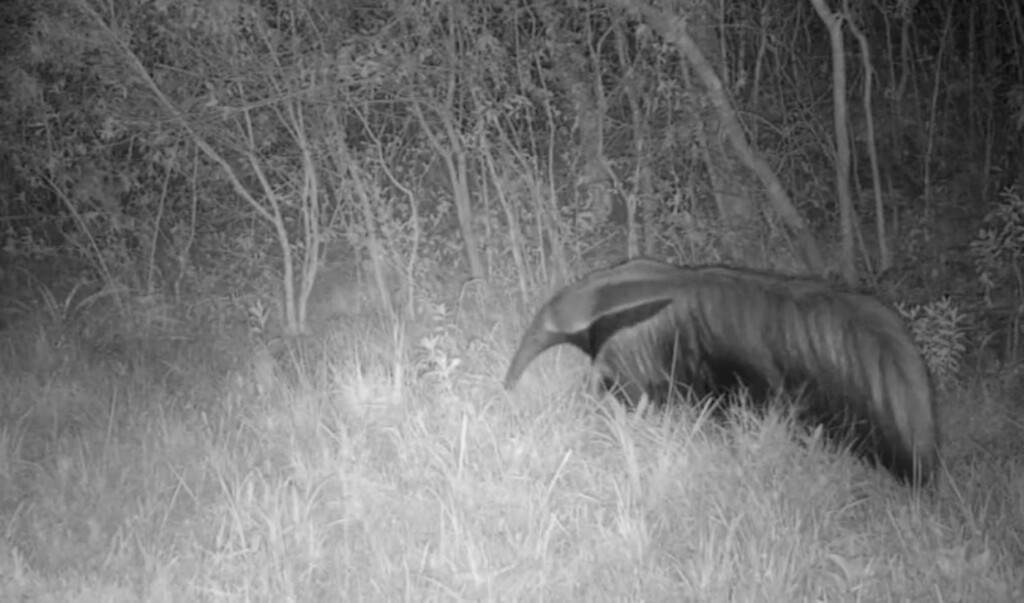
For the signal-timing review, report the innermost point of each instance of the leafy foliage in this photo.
(997, 252)
(998, 248)
(938, 328)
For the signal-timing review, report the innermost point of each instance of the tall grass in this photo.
(374, 464)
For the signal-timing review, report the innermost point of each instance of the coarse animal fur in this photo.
(654, 328)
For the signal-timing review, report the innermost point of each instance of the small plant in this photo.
(999, 246)
(257, 316)
(439, 347)
(998, 251)
(938, 328)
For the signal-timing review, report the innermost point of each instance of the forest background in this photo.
(264, 264)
